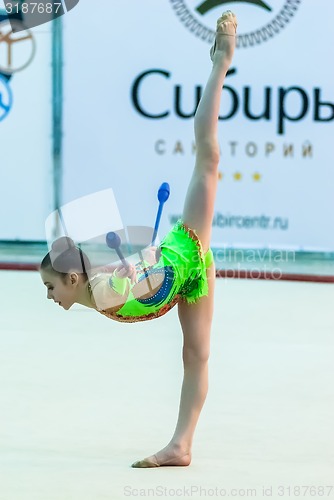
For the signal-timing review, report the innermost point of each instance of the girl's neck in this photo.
(86, 296)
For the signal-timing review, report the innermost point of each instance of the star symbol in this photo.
(256, 176)
(220, 175)
(237, 176)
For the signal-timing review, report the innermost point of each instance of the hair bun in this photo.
(62, 244)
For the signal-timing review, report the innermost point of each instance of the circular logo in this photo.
(261, 20)
(6, 98)
(16, 49)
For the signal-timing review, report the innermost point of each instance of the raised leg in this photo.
(199, 203)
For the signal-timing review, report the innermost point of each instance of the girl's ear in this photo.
(74, 278)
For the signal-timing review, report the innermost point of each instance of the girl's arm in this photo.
(111, 290)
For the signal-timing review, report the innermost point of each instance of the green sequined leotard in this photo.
(183, 267)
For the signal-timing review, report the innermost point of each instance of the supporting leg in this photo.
(195, 321)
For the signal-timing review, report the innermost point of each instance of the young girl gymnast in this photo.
(183, 272)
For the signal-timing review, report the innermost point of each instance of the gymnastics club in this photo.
(163, 195)
(114, 241)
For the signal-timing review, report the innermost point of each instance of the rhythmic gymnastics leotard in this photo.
(183, 267)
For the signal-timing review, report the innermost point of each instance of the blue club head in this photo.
(163, 193)
(113, 240)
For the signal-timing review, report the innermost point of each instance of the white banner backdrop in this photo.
(25, 132)
(133, 75)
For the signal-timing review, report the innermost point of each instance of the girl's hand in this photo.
(148, 254)
(126, 272)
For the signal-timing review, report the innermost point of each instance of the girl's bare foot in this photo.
(171, 455)
(225, 37)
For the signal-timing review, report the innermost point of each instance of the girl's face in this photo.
(63, 292)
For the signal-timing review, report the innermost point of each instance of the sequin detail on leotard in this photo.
(161, 295)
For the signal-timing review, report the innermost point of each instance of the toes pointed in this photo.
(228, 16)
